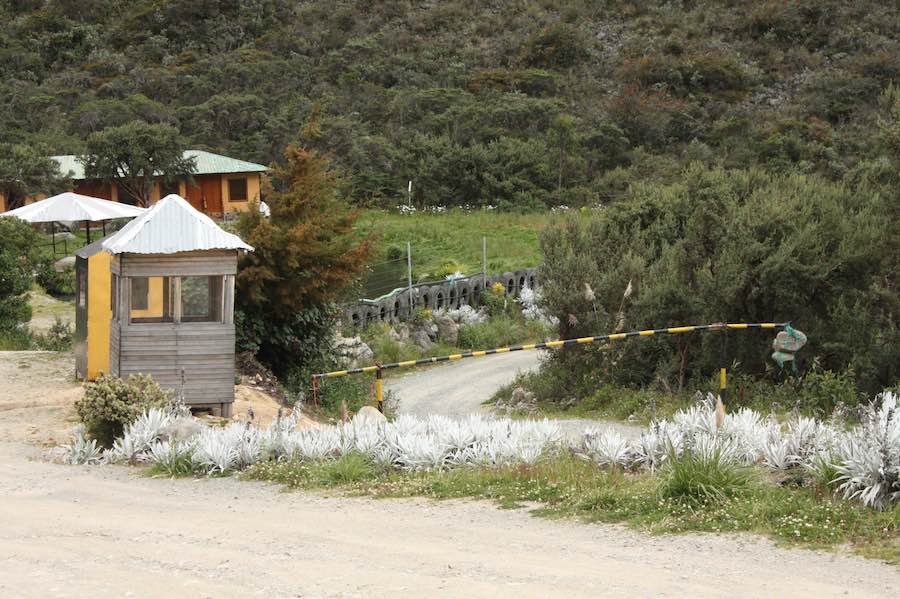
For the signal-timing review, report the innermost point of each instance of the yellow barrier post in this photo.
(379, 391)
(723, 365)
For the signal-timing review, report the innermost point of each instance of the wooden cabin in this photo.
(220, 185)
(157, 298)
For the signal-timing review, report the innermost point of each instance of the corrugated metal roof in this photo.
(212, 164)
(172, 225)
(207, 164)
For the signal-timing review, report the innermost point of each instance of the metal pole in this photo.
(379, 391)
(87, 225)
(484, 265)
(409, 276)
(53, 237)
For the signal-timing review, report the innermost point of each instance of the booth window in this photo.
(201, 299)
(140, 289)
(151, 299)
(237, 190)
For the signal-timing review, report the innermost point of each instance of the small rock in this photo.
(421, 339)
(448, 331)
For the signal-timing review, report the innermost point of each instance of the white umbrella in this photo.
(70, 206)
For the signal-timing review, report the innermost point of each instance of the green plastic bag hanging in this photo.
(786, 344)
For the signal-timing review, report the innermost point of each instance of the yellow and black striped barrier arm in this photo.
(553, 345)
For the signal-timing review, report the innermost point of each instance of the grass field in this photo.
(446, 242)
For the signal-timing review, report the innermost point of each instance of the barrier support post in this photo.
(379, 391)
(723, 366)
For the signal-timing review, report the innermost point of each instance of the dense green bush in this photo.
(57, 283)
(459, 96)
(736, 245)
(111, 403)
(19, 256)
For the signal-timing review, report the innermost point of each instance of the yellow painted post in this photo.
(379, 391)
(723, 372)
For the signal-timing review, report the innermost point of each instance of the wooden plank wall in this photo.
(114, 348)
(203, 350)
(212, 262)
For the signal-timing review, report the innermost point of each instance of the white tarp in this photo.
(169, 226)
(69, 207)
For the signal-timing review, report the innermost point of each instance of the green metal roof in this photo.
(207, 164)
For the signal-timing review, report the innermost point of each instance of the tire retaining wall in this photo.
(447, 295)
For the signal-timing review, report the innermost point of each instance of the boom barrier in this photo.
(379, 368)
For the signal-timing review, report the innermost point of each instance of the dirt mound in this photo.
(265, 408)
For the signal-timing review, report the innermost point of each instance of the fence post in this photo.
(409, 276)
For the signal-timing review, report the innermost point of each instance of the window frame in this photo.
(246, 182)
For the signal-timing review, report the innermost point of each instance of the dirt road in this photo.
(68, 531)
(109, 532)
(460, 388)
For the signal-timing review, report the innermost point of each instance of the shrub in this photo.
(58, 338)
(111, 403)
(700, 478)
(718, 246)
(823, 390)
(558, 46)
(495, 300)
(18, 258)
(56, 283)
(500, 331)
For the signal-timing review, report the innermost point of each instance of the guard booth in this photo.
(157, 298)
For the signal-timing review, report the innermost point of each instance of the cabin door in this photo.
(206, 194)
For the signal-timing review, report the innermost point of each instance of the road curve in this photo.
(458, 388)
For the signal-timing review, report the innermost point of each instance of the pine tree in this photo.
(305, 255)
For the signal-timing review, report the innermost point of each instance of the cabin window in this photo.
(202, 299)
(237, 190)
(151, 299)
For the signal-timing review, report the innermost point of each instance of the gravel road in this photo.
(109, 531)
(69, 531)
(461, 388)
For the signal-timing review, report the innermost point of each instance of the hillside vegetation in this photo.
(518, 104)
